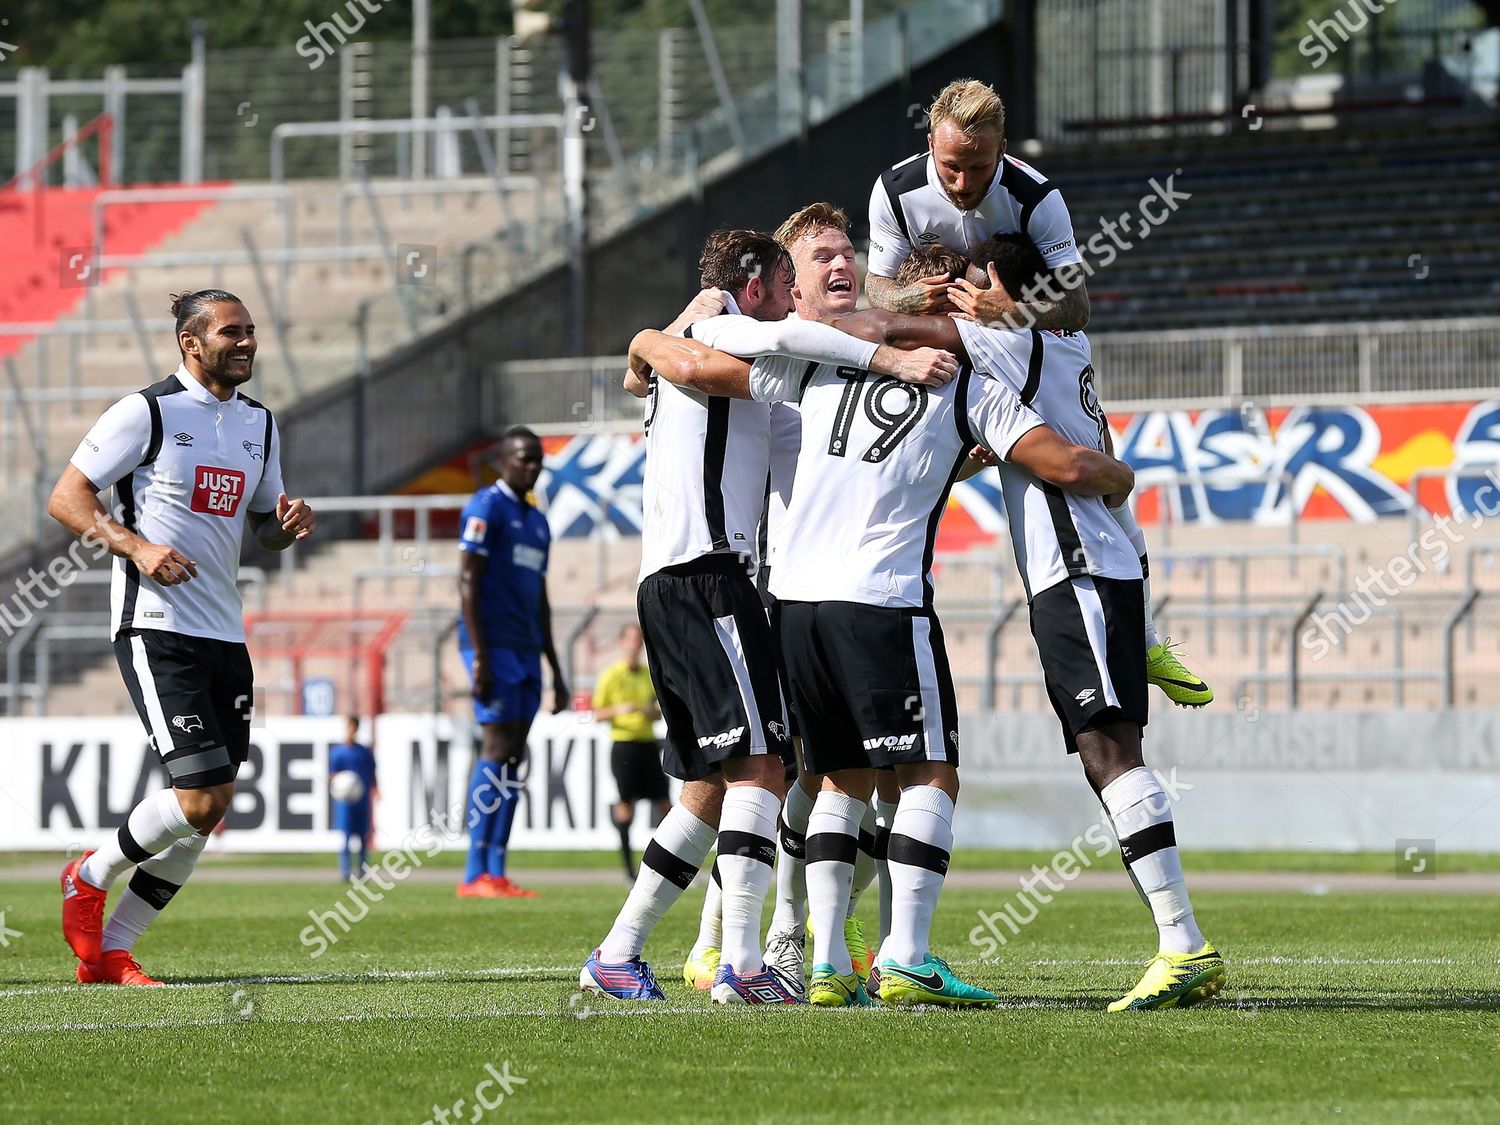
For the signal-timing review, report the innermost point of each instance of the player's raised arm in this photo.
(1075, 467)
(812, 342)
(689, 364)
(888, 249)
(1058, 302)
(1016, 433)
(899, 331)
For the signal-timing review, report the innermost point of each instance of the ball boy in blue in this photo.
(504, 631)
(352, 818)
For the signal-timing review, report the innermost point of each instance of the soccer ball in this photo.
(346, 786)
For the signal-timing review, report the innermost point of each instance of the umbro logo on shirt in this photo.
(1086, 696)
(184, 438)
(927, 238)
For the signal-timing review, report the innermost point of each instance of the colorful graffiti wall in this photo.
(1316, 462)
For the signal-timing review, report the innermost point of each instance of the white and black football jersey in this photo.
(186, 469)
(786, 444)
(909, 208)
(799, 339)
(1056, 534)
(877, 460)
(704, 485)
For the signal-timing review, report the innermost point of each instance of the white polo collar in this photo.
(198, 390)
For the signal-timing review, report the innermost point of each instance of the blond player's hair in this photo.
(970, 104)
(811, 219)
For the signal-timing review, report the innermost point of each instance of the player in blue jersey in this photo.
(352, 818)
(504, 630)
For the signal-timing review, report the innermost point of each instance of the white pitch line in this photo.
(318, 978)
(502, 973)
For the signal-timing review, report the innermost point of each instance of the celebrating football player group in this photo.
(799, 458)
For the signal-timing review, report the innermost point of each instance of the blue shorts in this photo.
(516, 690)
(352, 817)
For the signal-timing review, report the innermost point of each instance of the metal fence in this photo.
(1126, 66)
(1183, 368)
(1273, 625)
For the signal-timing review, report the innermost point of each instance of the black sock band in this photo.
(713, 873)
(749, 845)
(152, 889)
(832, 847)
(867, 843)
(916, 853)
(133, 851)
(668, 866)
(793, 843)
(1152, 838)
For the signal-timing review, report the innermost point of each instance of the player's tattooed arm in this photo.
(1060, 302)
(560, 696)
(1043, 451)
(292, 521)
(923, 296)
(689, 364)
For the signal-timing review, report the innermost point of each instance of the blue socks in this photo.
(505, 817)
(486, 799)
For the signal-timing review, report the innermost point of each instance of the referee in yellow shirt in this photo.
(624, 696)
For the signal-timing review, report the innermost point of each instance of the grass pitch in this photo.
(1368, 1006)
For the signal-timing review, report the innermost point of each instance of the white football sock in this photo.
(921, 842)
(1142, 816)
(672, 859)
(864, 859)
(832, 842)
(710, 922)
(1126, 519)
(790, 916)
(153, 826)
(885, 814)
(152, 886)
(747, 851)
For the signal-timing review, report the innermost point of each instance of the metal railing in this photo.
(1416, 511)
(1296, 365)
(1194, 368)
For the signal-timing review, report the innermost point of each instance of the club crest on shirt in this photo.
(254, 450)
(475, 529)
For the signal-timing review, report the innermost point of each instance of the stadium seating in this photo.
(39, 233)
(1235, 619)
(1295, 225)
